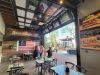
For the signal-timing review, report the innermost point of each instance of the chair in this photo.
(46, 66)
(16, 70)
(37, 66)
(53, 63)
(80, 69)
(70, 65)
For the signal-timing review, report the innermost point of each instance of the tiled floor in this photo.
(30, 65)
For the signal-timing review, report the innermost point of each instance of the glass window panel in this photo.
(58, 11)
(21, 3)
(28, 21)
(32, 7)
(21, 12)
(46, 30)
(50, 27)
(34, 2)
(21, 19)
(52, 9)
(64, 18)
(29, 15)
(21, 26)
(28, 25)
(56, 24)
(44, 6)
(46, 17)
(20, 23)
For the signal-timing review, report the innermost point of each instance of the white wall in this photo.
(91, 59)
(1, 39)
(89, 6)
(2, 32)
(2, 25)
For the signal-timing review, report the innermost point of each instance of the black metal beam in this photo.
(14, 8)
(27, 4)
(46, 10)
(23, 22)
(24, 17)
(68, 22)
(16, 27)
(69, 5)
(57, 16)
(77, 35)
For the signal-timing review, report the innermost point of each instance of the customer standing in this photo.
(36, 51)
(41, 50)
(49, 52)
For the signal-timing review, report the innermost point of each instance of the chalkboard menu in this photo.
(90, 32)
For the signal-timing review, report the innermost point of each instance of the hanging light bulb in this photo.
(61, 1)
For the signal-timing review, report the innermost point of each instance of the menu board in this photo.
(90, 32)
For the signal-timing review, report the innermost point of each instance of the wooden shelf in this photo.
(91, 28)
(90, 19)
(89, 48)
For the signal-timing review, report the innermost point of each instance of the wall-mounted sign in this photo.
(17, 32)
(90, 32)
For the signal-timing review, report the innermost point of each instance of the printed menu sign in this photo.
(90, 32)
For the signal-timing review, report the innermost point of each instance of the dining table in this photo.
(28, 55)
(15, 65)
(42, 61)
(61, 70)
(14, 59)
